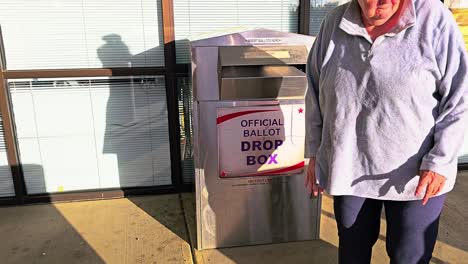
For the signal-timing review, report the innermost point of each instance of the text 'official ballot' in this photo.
(260, 140)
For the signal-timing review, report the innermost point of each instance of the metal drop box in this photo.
(249, 90)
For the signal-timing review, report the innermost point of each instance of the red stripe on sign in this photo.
(283, 170)
(227, 117)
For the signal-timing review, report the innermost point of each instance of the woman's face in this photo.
(377, 12)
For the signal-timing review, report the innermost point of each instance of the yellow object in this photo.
(60, 189)
(264, 54)
(461, 16)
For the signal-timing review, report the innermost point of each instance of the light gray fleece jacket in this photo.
(379, 111)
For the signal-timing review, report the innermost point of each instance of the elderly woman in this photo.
(386, 113)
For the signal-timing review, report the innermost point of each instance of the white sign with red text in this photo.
(261, 140)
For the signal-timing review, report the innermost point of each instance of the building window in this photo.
(92, 133)
(193, 18)
(318, 10)
(81, 34)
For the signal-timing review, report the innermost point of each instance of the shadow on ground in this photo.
(160, 229)
(296, 252)
(40, 234)
(168, 213)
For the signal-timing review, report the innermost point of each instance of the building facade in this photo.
(95, 95)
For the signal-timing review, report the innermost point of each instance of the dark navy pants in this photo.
(411, 228)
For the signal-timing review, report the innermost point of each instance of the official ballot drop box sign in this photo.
(249, 119)
(260, 140)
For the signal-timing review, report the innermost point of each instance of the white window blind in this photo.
(186, 129)
(6, 180)
(45, 34)
(196, 17)
(77, 134)
(318, 10)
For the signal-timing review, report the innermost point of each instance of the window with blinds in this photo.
(78, 134)
(196, 17)
(186, 129)
(45, 34)
(6, 180)
(318, 10)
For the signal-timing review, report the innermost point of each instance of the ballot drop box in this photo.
(249, 120)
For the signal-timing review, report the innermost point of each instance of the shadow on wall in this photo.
(136, 129)
(95, 133)
(108, 133)
(35, 177)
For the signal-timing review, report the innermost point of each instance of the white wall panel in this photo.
(82, 33)
(69, 163)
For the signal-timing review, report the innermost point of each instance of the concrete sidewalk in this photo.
(161, 229)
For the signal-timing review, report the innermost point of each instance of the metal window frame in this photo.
(9, 134)
(304, 16)
(171, 70)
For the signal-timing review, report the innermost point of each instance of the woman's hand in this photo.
(433, 183)
(310, 181)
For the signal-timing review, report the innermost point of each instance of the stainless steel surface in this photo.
(262, 55)
(255, 38)
(240, 211)
(205, 56)
(248, 210)
(205, 74)
(262, 82)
